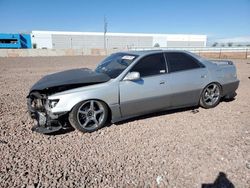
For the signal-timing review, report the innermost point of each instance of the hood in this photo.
(69, 79)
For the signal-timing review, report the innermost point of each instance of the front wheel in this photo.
(89, 116)
(210, 96)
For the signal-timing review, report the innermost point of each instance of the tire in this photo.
(210, 96)
(89, 116)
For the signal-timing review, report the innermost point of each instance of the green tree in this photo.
(215, 44)
(157, 45)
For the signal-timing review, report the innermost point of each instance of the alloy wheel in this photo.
(211, 94)
(90, 114)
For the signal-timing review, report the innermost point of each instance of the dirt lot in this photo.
(171, 149)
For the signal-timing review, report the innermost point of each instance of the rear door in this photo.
(150, 92)
(187, 78)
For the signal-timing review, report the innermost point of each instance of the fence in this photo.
(209, 52)
(218, 53)
(49, 52)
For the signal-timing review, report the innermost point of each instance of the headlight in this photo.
(53, 103)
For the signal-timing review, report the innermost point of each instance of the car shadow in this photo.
(220, 182)
(193, 109)
(66, 130)
(227, 100)
(69, 128)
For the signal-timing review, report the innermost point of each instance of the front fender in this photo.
(108, 93)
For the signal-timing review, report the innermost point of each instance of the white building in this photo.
(95, 40)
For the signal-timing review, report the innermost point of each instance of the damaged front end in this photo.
(39, 107)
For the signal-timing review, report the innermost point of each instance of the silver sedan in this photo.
(128, 84)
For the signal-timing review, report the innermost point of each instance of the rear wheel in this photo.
(210, 96)
(89, 116)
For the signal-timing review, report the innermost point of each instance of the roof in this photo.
(145, 52)
(191, 36)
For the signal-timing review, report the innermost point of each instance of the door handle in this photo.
(162, 82)
(203, 76)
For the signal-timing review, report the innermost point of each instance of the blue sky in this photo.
(215, 18)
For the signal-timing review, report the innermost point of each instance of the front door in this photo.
(150, 92)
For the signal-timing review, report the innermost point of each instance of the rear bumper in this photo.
(45, 121)
(229, 89)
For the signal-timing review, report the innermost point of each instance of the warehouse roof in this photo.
(121, 34)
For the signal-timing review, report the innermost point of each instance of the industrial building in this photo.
(95, 40)
(15, 41)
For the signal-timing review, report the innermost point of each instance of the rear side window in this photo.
(151, 65)
(178, 61)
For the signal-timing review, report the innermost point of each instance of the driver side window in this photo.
(151, 65)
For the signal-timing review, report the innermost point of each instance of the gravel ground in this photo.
(171, 149)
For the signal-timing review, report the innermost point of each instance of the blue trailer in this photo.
(15, 41)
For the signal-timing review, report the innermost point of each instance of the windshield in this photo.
(115, 64)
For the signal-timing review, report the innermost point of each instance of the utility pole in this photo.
(105, 24)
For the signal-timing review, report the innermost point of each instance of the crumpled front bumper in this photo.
(44, 122)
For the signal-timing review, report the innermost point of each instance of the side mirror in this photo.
(132, 76)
